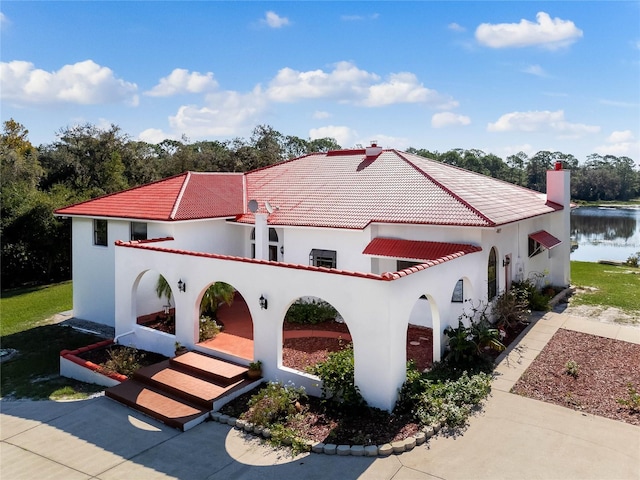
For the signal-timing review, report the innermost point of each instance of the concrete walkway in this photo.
(513, 438)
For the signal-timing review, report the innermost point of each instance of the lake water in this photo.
(603, 233)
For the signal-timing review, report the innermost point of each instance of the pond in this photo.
(605, 233)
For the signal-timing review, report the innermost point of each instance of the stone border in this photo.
(396, 448)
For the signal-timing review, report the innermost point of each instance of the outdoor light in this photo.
(263, 302)
(166, 309)
(182, 286)
(506, 262)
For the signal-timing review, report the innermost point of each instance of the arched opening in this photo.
(423, 321)
(225, 325)
(312, 328)
(274, 241)
(492, 274)
(154, 303)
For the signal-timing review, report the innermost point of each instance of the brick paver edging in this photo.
(72, 356)
(385, 450)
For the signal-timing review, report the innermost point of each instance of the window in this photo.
(322, 258)
(100, 232)
(492, 275)
(534, 247)
(402, 264)
(138, 231)
(273, 249)
(458, 292)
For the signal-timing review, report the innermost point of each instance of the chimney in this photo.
(559, 191)
(374, 150)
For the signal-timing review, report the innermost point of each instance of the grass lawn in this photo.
(24, 308)
(34, 372)
(616, 286)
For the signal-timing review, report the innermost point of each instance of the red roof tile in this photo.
(545, 239)
(341, 189)
(186, 196)
(418, 250)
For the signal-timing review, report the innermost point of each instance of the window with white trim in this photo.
(138, 231)
(458, 292)
(100, 232)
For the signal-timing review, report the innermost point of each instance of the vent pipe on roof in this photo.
(374, 150)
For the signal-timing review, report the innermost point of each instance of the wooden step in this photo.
(199, 391)
(204, 366)
(175, 412)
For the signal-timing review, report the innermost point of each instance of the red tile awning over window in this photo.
(545, 239)
(417, 250)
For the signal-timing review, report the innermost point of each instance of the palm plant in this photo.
(217, 294)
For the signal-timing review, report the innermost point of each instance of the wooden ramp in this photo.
(182, 391)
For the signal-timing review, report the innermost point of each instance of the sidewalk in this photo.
(514, 437)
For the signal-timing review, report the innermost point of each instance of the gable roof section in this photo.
(186, 196)
(418, 250)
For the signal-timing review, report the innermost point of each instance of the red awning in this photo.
(545, 239)
(417, 250)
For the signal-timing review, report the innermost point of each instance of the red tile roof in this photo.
(184, 197)
(545, 239)
(418, 250)
(341, 189)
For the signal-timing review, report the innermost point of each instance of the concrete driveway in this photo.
(512, 438)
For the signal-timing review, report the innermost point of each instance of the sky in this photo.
(502, 77)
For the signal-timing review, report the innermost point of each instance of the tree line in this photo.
(85, 162)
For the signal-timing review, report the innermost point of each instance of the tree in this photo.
(216, 295)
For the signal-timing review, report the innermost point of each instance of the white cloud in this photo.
(4, 20)
(224, 114)
(155, 135)
(181, 81)
(320, 115)
(620, 136)
(620, 143)
(359, 18)
(347, 83)
(448, 119)
(456, 28)
(509, 150)
(85, 83)
(536, 70)
(539, 121)
(273, 20)
(387, 141)
(343, 135)
(615, 103)
(546, 32)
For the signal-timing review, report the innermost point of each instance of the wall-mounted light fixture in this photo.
(506, 262)
(166, 309)
(182, 286)
(263, 302)
(282, 249)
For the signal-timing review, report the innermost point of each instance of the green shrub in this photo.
(274, 404)
(449, 401)
(527, 289)
(511, 308)
(208, 328)
(633, 402)
(310, 312)
(338, 379)
(123, 360)
(572, 368)
(633, 260)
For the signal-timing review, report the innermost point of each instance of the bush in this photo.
(310, 312)
(275, 403)
(572, 368)
(511, 308)
(123, 360)
(338, 379)
(527, 290)
(633, 260)
(431, 401)
(208, 328)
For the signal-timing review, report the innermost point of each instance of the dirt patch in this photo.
(605, 367)
(604, 314)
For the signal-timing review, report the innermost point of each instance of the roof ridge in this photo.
(107, 195)
(446, 189)
(176, 205)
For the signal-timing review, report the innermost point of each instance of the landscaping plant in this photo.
(310, 312)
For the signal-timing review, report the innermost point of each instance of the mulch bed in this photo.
(101, 355)
(606, 367)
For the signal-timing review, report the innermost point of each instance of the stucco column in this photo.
(559, 191)
(262, 236)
